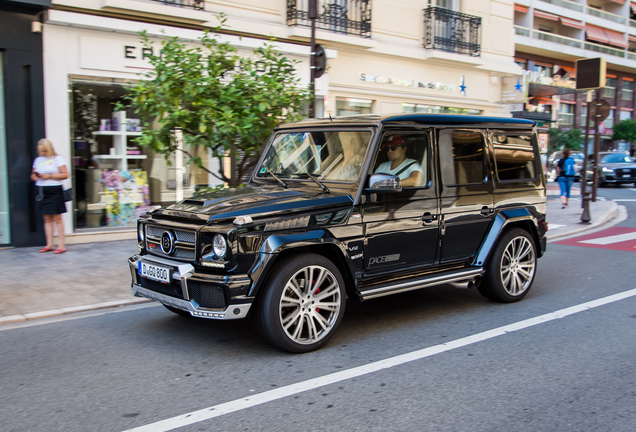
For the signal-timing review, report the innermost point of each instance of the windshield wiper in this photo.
(282, 183)
(318, 182)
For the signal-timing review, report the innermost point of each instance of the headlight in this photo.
(219, 245)
(140, 232)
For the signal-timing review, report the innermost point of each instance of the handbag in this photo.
(68, 194)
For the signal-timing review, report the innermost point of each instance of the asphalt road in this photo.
(430, 365)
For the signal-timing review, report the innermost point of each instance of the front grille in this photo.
(185, 242)
(173, 289)
(207, 295)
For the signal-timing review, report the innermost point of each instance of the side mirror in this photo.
(383, 183)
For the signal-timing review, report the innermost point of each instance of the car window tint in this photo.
(462, 156)
(514, 157)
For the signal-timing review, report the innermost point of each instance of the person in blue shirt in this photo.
(408, 170)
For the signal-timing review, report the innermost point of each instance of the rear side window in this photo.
(514, 157)
(461, 157)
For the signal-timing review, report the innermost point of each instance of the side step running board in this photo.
(439, 279)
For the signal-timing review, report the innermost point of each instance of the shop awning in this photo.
(596, 34)
(543, 100)
(616, 38)
(521, 8)
(571, 23)
(546, 15)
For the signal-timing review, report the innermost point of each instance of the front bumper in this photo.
(221, 297)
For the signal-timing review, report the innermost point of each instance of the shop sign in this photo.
(381, 79)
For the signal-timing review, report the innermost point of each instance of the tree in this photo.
(625, 130)
(217, 99)
(561, 139)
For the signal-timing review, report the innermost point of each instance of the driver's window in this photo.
(404, 154)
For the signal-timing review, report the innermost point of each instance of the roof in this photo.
(415, 119)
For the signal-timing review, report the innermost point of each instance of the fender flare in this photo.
(278, 244)
(502, 220)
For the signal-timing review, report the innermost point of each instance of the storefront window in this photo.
(5, 232)
(432, 109)
(351, 106)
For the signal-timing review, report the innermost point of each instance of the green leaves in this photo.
(221, 101)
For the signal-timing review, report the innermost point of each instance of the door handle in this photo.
(428, 217)
(486, 211)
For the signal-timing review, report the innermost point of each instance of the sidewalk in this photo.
(96, 275)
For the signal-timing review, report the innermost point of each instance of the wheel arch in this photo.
(505, 221)
(327, 247)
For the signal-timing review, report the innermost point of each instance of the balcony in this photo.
(606, 15)
(451, 31)
(351, 17)
(192, 4)
(566, 4)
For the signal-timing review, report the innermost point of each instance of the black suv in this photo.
(353, 207)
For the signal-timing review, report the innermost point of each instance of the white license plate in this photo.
(151, 271)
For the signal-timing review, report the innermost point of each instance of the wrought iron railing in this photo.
(193, 4)
(351, 17)
(451, 31)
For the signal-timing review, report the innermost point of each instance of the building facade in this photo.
(383, 56)
(550, 35)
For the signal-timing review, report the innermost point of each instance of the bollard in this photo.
(585, 216)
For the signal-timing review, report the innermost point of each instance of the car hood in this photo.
(253, 201)
(619, 165)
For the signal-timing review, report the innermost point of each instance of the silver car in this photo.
(614, 168)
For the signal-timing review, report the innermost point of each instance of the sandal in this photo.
(59, 251)
(46, 249)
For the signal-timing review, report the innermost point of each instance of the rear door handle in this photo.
(486, 211)
(428, 217)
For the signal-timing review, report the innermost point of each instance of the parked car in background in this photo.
(615, 168)
(553, 159)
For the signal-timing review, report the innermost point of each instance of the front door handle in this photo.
(428, 217)
(486, 211)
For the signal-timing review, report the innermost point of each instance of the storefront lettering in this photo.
(407, 83)
(130, 52)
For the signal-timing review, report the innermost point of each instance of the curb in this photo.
(606, 218)
(11, 319)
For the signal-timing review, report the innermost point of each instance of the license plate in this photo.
(154, 272)
(627, 175)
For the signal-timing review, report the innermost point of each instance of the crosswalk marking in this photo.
(611, 239)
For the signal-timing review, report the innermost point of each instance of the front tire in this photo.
(511, 270)
(303, 303)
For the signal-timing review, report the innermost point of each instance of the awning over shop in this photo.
(571, 23)
(542, 100)
(545, 15)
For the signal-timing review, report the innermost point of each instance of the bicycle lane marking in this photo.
(312, 384)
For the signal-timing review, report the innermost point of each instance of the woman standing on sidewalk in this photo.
(565, 175)
(49, 170)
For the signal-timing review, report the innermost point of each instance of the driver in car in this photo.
(408, 170)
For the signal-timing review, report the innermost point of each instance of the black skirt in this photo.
(50, 200)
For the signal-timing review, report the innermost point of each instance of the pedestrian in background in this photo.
(565, 176)
(49, 172)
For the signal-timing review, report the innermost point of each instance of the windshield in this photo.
(617, 158)
(327, 155)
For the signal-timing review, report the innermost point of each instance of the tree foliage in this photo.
(220, 100)
(561, 139)
(625, 130)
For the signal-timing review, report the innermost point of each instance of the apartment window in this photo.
(625, 115)
(446, 4)
(609, 121)
(627, 90)
(352, 106)
(584, 118)
(566, 114)
(609, 90)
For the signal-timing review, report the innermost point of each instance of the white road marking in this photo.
(625, 200)
(554, 226)
(611, 239)
(312, 384)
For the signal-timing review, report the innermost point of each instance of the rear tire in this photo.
(511, 270)
(302, 304)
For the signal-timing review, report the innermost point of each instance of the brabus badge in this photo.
(168, 242)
